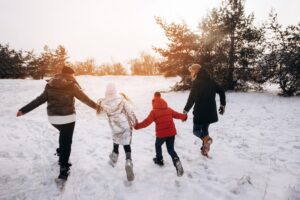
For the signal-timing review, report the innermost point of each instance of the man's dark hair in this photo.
(67, 70)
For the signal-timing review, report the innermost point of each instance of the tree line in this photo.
(238, 54)
(23, 64)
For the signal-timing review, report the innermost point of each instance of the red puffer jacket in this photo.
(163, 116)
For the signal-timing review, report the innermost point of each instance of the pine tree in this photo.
(12, 63)
(180, 53)
(282, 59)
(50, 61)
(233, 45)
(229, 46)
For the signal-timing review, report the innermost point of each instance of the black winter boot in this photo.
(158, 162)
(64, 172)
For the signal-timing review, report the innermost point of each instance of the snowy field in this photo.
(255, 154)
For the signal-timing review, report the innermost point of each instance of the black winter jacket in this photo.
(59, 94)
(203, 95)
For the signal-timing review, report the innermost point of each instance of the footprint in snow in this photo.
(128, 183)
(189, 175)
(5, 155)
(177, 183)
(204, 165)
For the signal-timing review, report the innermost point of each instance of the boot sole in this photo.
(159, 164)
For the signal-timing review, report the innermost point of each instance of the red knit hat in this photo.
(157, 94)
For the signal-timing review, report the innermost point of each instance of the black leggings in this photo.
(65, 141)
(127, 148)
(170, 147)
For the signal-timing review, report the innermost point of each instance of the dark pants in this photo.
(200, 130)
(170, 147)
(127, 150)
(65, 141)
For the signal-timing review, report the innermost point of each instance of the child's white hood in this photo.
(111, 91)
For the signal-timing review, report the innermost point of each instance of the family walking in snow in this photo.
(60, 93)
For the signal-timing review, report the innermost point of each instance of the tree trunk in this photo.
(230, 81)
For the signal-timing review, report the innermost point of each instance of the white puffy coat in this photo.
(121, 118)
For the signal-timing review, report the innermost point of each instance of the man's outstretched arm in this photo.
(79, 94)
(33, 104)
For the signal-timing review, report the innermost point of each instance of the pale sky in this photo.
(112, 30)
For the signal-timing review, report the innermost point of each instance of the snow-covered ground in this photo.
(255, 154)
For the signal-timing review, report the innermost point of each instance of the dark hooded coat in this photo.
(202, 97)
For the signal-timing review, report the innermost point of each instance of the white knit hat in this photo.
(111, 91)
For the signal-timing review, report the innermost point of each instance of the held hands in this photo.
(19, 113)
(98, 109)
(136, 126)
(222, 110)
(186, 117)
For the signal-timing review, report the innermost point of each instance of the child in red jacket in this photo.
(163, 116)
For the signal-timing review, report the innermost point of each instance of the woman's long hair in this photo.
(126, 97)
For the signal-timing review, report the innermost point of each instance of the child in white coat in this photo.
(121, 120)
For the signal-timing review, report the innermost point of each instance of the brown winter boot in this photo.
(207, 141)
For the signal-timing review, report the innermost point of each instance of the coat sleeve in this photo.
(79, 94)
(192, 98)
(129, 114)
(221, 93)
(36, 102)
(146, 121)
(177, 115)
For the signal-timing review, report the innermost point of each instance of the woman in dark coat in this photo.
(202, 97)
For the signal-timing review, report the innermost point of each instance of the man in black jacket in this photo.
(202, 97)
(60, 93)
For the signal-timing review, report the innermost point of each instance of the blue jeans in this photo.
(170, 147)
(200, 130)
